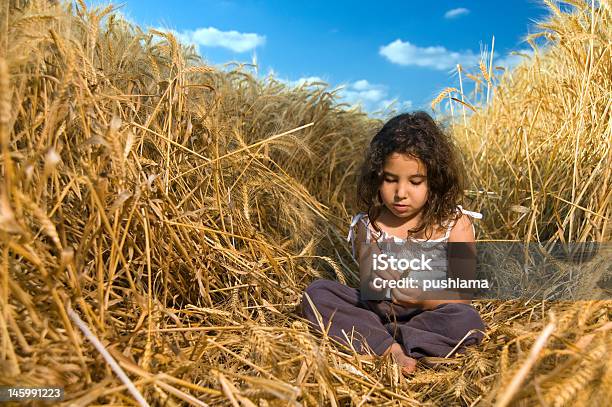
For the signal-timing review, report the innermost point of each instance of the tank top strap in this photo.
(351, 234)
(475, 215)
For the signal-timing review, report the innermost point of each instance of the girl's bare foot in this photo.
(407, 363)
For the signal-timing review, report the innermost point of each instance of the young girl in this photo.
(410, 183)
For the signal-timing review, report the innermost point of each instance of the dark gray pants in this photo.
(378, 324)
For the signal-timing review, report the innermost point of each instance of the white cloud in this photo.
(396, 104)
(456, 12)
(361, 85)
(512, 59)
(436, 57)
(212, 37)
(372, 97)
(363, 91)
(122, 15)
(306, 81)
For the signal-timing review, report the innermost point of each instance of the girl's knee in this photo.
(466, 319)
(315, 288)
(315, 291)
(321, 292)
(472, 323)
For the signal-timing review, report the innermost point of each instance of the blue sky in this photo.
(378, 51)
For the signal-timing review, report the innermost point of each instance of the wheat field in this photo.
(177, 212)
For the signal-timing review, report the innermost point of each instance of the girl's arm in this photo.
(364, 250)
(360, 239)
(363, 259)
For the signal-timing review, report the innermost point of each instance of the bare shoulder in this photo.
(463, 230)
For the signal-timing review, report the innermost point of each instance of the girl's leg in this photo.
(341, 304)
(436, 332)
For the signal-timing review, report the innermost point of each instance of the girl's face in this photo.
(404, 188)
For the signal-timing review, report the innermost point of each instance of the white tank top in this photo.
(363, 217)
(436, 252)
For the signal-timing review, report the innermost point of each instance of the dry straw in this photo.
(182, 210)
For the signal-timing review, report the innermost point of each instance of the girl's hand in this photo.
(386, 275)
(411, 297)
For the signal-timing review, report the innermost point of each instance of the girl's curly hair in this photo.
(418, 135)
